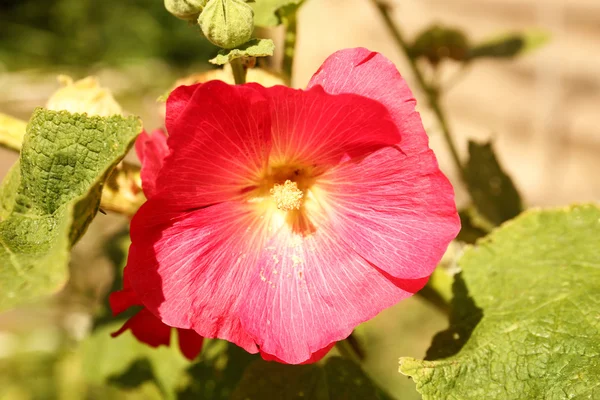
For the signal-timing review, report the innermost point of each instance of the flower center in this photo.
(287, 196)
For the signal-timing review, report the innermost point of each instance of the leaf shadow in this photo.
(464, 317)
(138, 373)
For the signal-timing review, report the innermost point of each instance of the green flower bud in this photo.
(227, 23)
(185, 9)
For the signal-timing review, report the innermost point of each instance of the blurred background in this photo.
(541, 111)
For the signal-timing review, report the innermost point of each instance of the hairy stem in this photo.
(289, 46)
(431, 92)
(239, 71)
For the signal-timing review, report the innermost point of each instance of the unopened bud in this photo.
(83, 96)
(227, 23)
(185, 9)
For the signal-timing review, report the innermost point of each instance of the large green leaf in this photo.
(494, 195)
(527, 320)
(338, 379)
(64, 161)
(266, 11)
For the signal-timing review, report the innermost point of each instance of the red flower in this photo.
(145, 326)
(283, 218)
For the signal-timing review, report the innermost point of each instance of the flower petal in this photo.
(396, 211)
(313, 290)
(316, 128)
(219, 143)
(123, 299)
(190, 343)
(369, 74)
(151, 150)
(317, 356)
(191, 267)
(147, 329)
(176, 104)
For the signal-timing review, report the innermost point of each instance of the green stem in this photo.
(289, 47)
(430, 295)
(431, 92)
(347, 351)
(239, 71)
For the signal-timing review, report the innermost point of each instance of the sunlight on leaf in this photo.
(526, 321)
(64, 161)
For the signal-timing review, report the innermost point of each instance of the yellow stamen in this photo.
(287, 196)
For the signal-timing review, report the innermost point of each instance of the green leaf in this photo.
(267, 12)
(12, 131)
(438, 43)
(64, 161)
(469, 231)
(8, 191)
(527, 314)
(510, 45)
(253, 48)
(218, 372)
(338, 379)
(125, 362)
(494, 195)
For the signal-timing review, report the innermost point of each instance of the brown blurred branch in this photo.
(432, 93)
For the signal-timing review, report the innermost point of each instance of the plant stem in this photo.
(431, 92)
(345, 349)
(430, 295)
(239, 71)
(289, 47)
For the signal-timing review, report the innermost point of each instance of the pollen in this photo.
(287, 196)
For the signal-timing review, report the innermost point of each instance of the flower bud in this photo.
(185, 9)
(84, 96)
(227, 23)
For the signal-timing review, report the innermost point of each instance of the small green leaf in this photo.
(510, 45)
(266, 12)
(253, 48)
(338, 379)
(125, 362)
(494, 195)
(438, 43)
(64, 161)
(526, 321)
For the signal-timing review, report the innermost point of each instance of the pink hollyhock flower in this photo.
(145, 326)
(283, 218)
